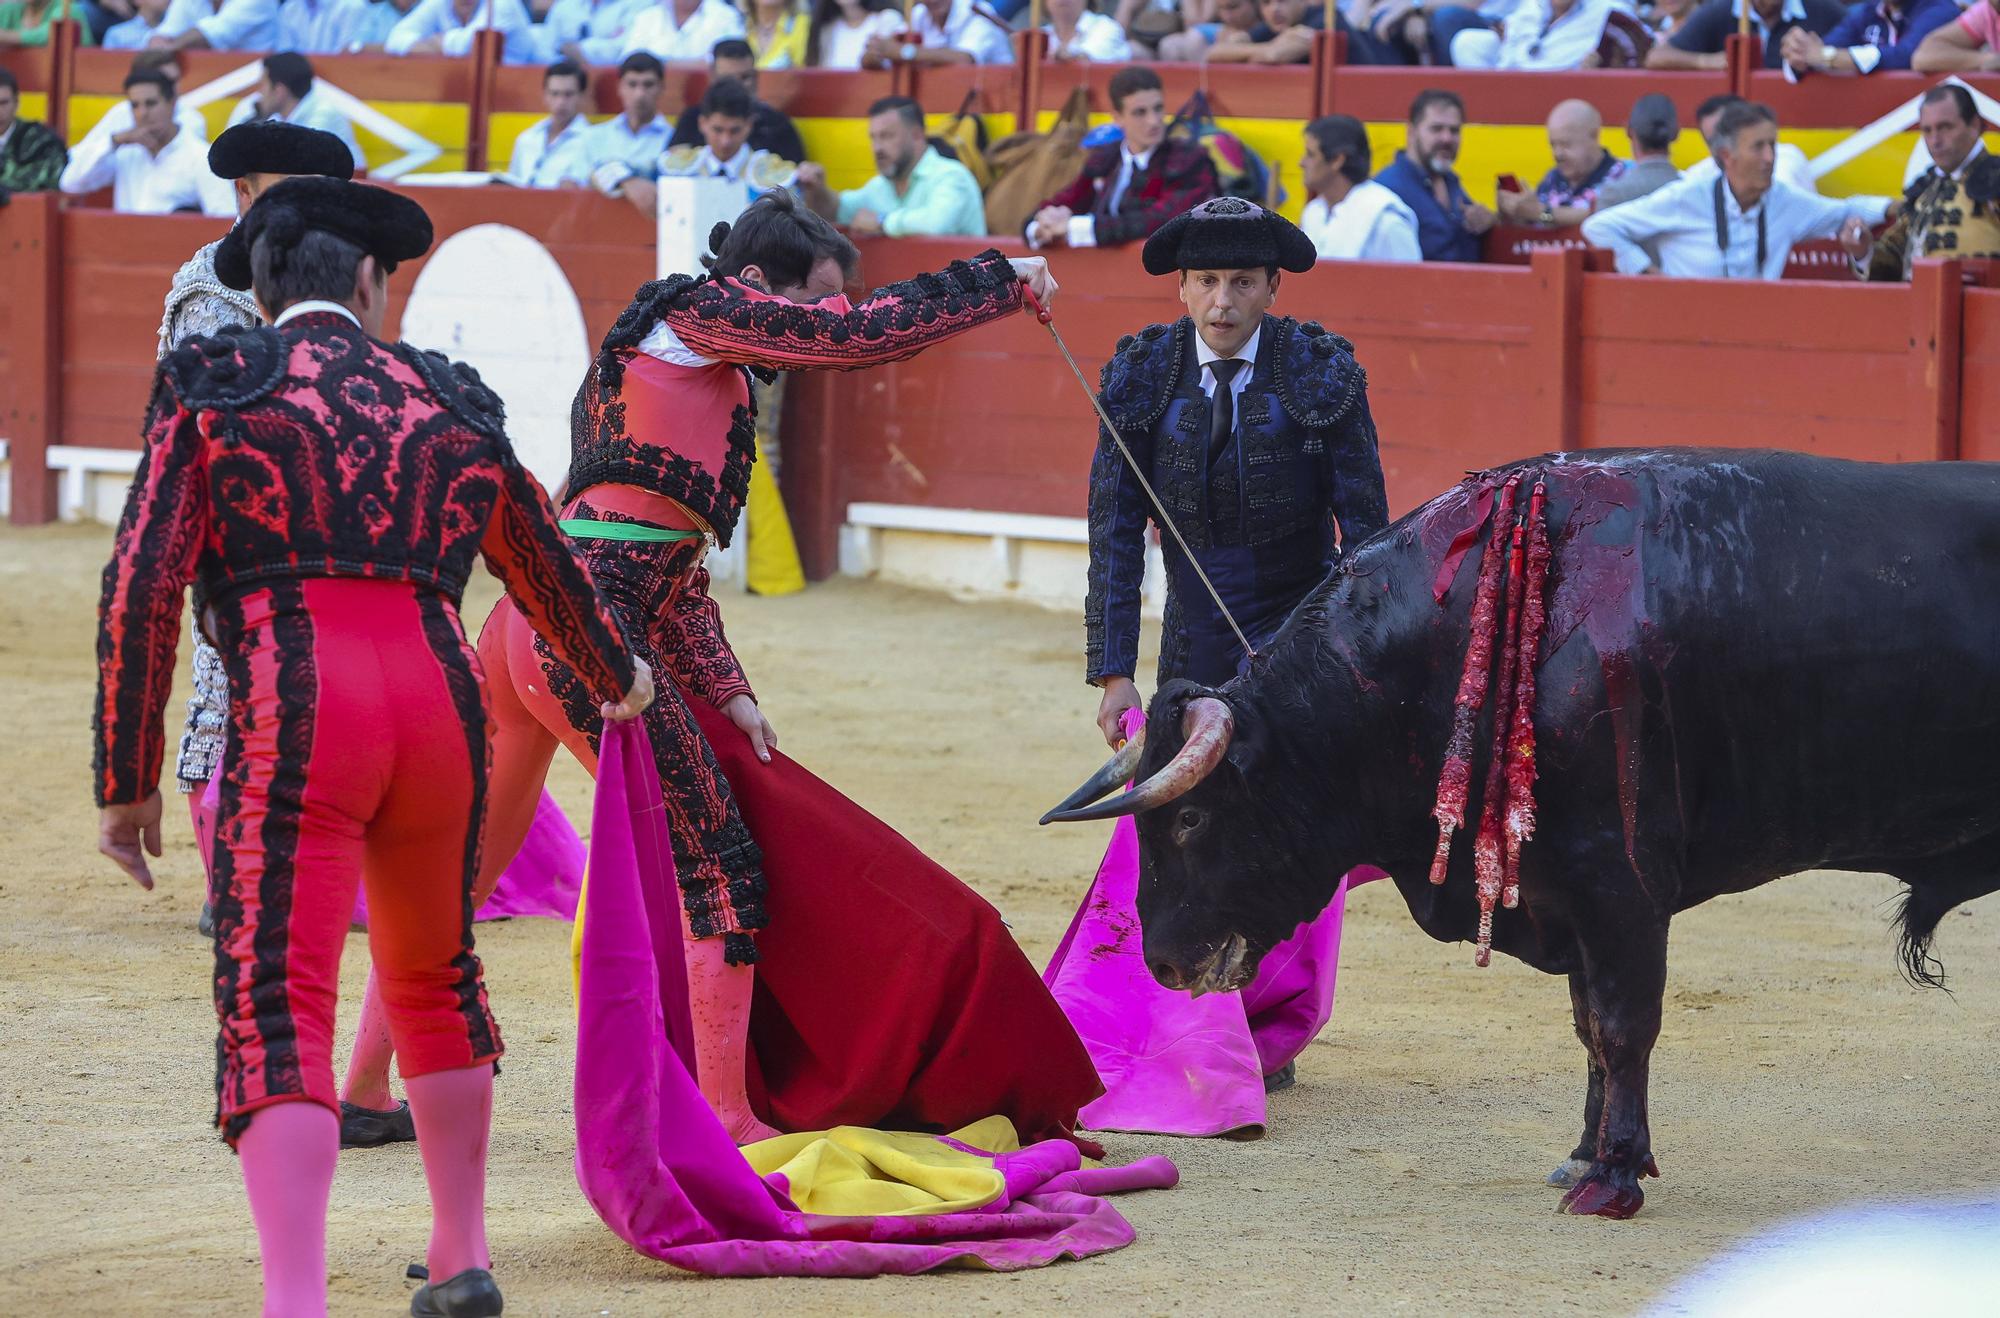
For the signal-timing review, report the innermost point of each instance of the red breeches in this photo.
(357, 746)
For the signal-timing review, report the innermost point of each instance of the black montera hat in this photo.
(386, 225)
(1228, 233)
(270, 146)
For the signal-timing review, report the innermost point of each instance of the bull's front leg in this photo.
(1624, 982)
(1584, 1154)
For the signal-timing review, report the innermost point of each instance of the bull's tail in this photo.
(1925, 903)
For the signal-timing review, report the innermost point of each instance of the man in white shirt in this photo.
(1793, 167)
(320, 27)
(138, 31)
(586, 32)
(943, 32)
(446, 27)
(682, 30)
(1739, 226)
(550, 153)
(621, 156)
(1075, 33)
(289, 95)
(154, 167)
(1353, 218)
(231, 25)
(1541, 35)
(724, 116)
(118, 118)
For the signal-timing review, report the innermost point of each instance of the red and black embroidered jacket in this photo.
(1178, 177)
(308, 451)
(666, 405)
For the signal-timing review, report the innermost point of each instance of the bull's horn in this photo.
(1208, 725)
(1117, 771)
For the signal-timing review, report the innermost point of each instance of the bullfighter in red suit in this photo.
(887, 993)
(1130, 187)
(327, 494)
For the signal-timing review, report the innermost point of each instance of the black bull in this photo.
(1755, 664)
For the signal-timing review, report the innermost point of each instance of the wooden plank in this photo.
(1978, 372)
(1383, 95)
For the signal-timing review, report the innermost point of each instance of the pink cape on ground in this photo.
(658, 1167)
(1174, 1064)
(542, 880)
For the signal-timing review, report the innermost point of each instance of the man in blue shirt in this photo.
(1450, 224)
(621, 157)
(1876, 34)
(1699, 41)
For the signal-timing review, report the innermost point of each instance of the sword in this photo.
(1043, 314)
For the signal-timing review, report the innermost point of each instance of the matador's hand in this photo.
(122, 830)
(743, 712)
(635, 701)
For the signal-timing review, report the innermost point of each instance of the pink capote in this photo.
(659, 1168)
(1172, 1064)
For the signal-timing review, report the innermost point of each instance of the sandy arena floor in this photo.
(1796, 1071)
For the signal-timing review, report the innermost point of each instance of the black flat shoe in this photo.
(205, 926)
(1281, 1079)
(471, 1294)
(366, 1128)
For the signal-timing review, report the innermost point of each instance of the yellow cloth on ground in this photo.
(852, 1171)
(772, 557)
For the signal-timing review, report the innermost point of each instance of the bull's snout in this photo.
(1169, 976)
(1222, 968)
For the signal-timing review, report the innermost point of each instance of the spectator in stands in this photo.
(289, 95)
(1698, 42)
(1075, 33)
(841, 30)
(916, 191)
(447, 27)
(118, 118)
(683, 29)
(724, 116)
(321, 27)
(1130, 187)
(1971, 45)
(1352, 218)
(138, 31)
(1793, 167)
(31, 155)
(228, 25)
(1192, 45)
(1568, 192)
(377, 22)
(550, 151)
(1285, 36)
(779, 33)
(1953, 209)
(1405, 32)
(1740, 226)
(1654, 125)
(153, 167)
(621, 156)
(1449, 223)
(770, 128)
(1875, 34)
(586, 32)
(26, 22)
(943, 32)
(1541, 35)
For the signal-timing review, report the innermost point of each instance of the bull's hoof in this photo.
(1608, 1192)
(1567, 1175)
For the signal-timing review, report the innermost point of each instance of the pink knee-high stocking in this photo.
(368, 1066)
(719, 1002)
(287, 1156)
(454, 1114)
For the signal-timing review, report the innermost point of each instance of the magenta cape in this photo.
(1172, 1064)
(659, 1168)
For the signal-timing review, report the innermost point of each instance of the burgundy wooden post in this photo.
(1745, 55)
(486, 49)
(810, 483)
(1555, 344)
(1031, 51)
(1326, 52)
(31, 256)
(64, 36)
(1937, 314)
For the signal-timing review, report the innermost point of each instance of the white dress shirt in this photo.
(841, 46)
(966, 29)
(1535, 42)
(178, 178)
(1098, 38)
(1674, 228)
(232, 25)
(596, 27)
(1371, 223)
(320, 27)
(310, 305)
(313, 111)
(1792, 168)
(540, 161)
(1247, 354)
(613, 152)
(437, 18)
(655, 30)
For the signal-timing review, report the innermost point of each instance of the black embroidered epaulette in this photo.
(1318, 379)
(226, 370)
(460, 389)
(1982, 178)
(1138, 381)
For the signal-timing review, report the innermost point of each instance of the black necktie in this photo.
(1222, 414)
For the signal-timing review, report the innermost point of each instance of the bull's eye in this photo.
(1187, 824)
